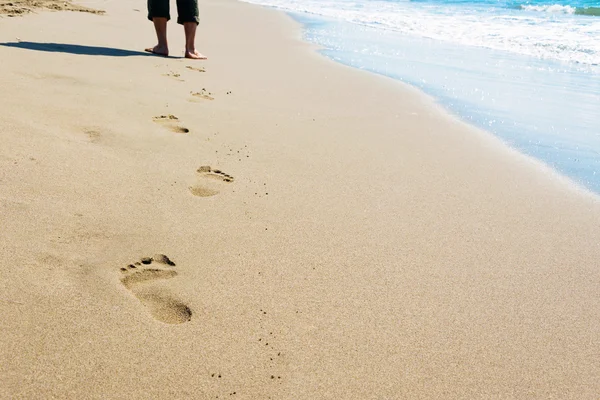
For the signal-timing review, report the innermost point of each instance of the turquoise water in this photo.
(528, 72)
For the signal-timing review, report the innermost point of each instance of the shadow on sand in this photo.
(76, 49)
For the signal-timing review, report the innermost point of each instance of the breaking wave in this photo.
(562, 9)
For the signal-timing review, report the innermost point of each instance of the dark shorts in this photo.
(187, 10)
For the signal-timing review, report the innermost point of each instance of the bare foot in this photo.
(158, 50)
(193, 54)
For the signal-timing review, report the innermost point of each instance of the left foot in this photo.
(161, 50)
(193, 54)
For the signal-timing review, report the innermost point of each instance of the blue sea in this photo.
(526, 71)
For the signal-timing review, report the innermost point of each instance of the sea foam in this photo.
(556, 32)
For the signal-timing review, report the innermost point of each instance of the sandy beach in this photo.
(268, 224)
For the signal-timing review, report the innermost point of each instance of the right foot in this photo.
(159, 50)
(194, 55)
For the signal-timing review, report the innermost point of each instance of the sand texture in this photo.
(14, 8)
(268, 224)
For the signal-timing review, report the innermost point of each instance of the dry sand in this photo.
(335, 234)
(14, 8)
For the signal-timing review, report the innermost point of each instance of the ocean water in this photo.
(526, 71)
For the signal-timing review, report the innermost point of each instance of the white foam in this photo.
(544, 35)
(554, 8)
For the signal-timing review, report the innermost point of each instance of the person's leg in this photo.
(190, 41)
(162, 48)
(158, 12)
(188, 16)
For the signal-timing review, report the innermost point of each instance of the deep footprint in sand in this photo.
(143, 278)
(210, 182)
(172, 122)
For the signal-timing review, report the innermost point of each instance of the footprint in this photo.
(203, 94)
(211, 181)
(201, 69)
(174, 75)
(141, 279)
(92, 134)
(170, 121)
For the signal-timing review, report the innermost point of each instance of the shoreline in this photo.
(518, 138)
(335, 234)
